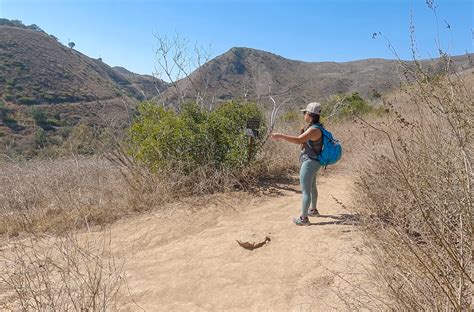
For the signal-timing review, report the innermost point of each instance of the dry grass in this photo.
(58, 195)
(64, 273)
(415, 195)
(45, 201)
(52, 196)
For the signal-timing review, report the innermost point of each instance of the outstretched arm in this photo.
(307, 135)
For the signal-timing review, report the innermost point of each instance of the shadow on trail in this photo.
(277, 185)
(342, 219)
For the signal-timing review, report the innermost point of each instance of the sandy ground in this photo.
(190, 260)
(186, 258)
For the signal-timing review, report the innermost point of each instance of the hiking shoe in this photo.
(313, 212)
(301, 221)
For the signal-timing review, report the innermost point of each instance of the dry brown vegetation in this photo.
(51, 196)
(58, 195)
(415, 204)
(65, 273)
(44, 197)
(46, 264)
(415, 193)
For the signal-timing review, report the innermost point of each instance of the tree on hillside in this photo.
(35, 27)
(38, 115)
(71, 44)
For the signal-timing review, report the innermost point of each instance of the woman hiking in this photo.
(311, 139)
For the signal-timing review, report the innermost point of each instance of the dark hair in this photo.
(315, 118)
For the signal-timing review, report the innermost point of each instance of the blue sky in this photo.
(121, 31)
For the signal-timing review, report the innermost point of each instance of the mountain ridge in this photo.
(250, 73)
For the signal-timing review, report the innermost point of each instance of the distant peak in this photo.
(122, 69)
(245, 50)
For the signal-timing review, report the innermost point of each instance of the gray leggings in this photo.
(308, 171)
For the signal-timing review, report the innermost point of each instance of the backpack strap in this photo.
(316, 126)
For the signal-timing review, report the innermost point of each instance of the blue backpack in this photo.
(332, 149)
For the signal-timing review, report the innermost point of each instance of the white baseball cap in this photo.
(313, 108)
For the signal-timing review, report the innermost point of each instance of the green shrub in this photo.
(19, 65)
(340, 106)
(65, 97)
(355, 103)
(39, 116)
(53, 122)
(40, 138)
(8, 97)
(160, 137)
(81, 139)
(11, 123)
(290, 116)
(26, 100)
(49, 98)
(226, 126)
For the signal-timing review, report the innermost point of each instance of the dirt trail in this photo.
(191, 261)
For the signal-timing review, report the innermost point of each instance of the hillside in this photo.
(46, 89)
(250, 73)
(37, 69)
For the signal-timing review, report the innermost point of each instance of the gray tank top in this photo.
(311, 149)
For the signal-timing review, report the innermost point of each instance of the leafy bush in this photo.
(53, 122)
(340, 106)
(59, 97)
(8, 97)
(26, 100)
(191, 138)
(81, 139)
(40, 138)
(290, 116)
(19, 65)
(12, 123)
(38, 115)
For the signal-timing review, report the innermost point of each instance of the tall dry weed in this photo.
(66, 273)
(416, 192)
(55, 195)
